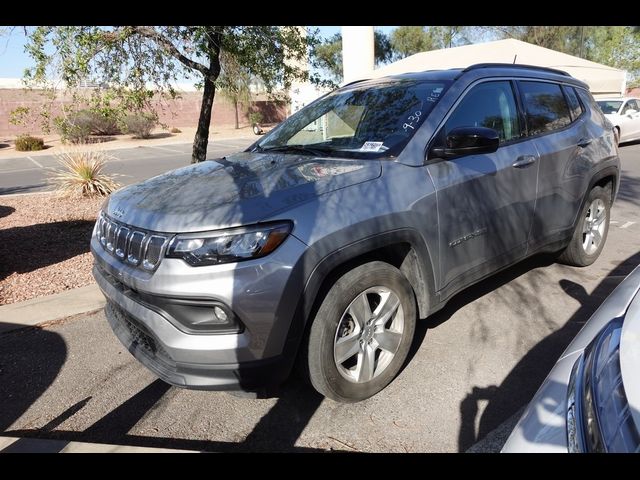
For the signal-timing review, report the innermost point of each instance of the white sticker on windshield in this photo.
(371, 147)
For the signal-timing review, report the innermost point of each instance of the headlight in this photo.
(598, 415)
(225, 246)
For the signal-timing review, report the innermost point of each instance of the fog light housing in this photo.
(194, 316)
(220, 314)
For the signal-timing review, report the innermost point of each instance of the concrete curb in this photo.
(37, 445)
(50, 308)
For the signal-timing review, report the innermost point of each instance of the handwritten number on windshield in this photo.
(411, 121)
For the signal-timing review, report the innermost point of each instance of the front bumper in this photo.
(164, 349)
(263, 294)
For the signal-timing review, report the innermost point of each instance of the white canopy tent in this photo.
(602, 79)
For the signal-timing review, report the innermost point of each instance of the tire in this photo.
(256, 129)
(336, 330)
(616, 135)
(584, 247)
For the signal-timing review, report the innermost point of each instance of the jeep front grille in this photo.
(132, 246)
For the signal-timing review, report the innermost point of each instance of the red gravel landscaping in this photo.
(44, 245)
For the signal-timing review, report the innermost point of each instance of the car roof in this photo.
(480, 70)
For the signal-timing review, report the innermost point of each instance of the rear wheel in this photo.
(361, 334)
(591, 233)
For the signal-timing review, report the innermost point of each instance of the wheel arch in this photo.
(402, 248)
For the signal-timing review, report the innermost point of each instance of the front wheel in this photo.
(591, 232)
(361, 334)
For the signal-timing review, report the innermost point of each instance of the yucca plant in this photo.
(81, 174)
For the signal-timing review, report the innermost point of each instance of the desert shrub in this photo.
(175, 130)
(81, 174)
(27, 143)
(140, 124)
(105, 122)
(75, 127)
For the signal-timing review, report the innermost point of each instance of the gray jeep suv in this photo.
(324, 242)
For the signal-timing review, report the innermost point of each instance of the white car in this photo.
(624, 113)
(590, 401)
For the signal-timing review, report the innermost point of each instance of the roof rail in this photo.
(515, 65)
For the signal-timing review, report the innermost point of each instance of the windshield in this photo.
(610, 106)
(363, 121)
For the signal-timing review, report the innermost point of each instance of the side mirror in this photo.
(463, 141)
(631, 112)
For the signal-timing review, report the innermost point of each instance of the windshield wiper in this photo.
(296, 148)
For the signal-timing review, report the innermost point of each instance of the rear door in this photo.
(560, 135)
(485, 202)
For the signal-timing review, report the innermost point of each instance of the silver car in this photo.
(590, 401)
(324, 242)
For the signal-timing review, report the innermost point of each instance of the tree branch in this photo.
(152, 34)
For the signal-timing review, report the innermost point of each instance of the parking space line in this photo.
(628, 224)
(165, 148)
(34, 161)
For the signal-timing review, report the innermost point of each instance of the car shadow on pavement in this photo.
(525, 378)
(629, 189)
(22, 350)
(277, 431)
(473, 293)
(21, 247)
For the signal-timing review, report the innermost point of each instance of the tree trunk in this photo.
(235, 104)
(201, 140)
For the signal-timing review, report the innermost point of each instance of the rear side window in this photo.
(545, 106)
(490, 105)
(587, 99)
(574, 103)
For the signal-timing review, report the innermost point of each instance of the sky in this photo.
(13, 59)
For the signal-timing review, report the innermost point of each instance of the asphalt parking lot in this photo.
(472, 367)
(28, 174)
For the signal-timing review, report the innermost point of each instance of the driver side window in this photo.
(490, 105)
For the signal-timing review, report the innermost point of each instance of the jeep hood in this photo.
(240, 189)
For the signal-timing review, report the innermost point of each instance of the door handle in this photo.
(524, 161)
(584, 142)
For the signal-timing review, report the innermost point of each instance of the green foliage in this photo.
(19, 116)
(105, 121)
(256, 116)
(234, 83)
(128, 58)
(328, 54)
(27, 143)
(409, 40)
(175, 130)
(140, 124)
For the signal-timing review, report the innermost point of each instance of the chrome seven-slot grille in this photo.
(132, 246)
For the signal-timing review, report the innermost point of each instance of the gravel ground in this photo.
(44, 245)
